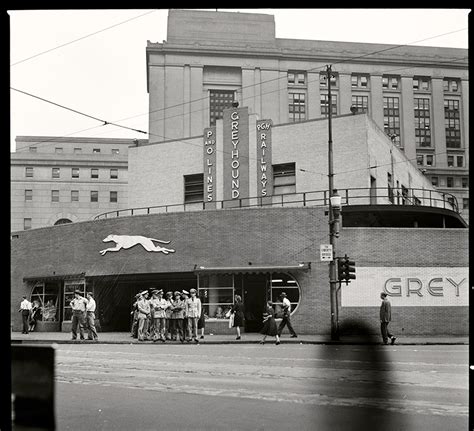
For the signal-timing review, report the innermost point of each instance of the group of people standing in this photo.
(175, 316)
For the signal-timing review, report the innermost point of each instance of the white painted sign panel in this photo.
(408, 287)
(326, 253)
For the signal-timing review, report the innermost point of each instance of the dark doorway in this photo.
(255, 288)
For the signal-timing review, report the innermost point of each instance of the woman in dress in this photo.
(238, 311)
(269, 324)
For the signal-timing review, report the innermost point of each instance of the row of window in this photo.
(56, 173)
(94, 196)
(77, 150)
(362, 80)
(454, 161)
(284, 181)
(451, 182)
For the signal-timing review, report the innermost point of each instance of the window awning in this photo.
(200, 269)
(55, 277)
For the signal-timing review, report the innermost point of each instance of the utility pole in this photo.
(332, 221)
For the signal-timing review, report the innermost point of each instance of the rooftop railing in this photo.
(350, 196)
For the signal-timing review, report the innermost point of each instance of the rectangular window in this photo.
(26, 223)
(434, 181)
(324, 104)
(113, 196)
(421, 83)
(74, 195)
(449, 182)
(450, 161)
(296, 78)
(429, 160)
(359, 81)
(115, 151)
(193, 188)
(54, 195)
(218, 101)
(460, 161)
(75, 173)
(296, 107)
(422, 122)
(465, 203)
(217, 293)
(420, 160)
(28, 195)
(284, 179)
(323, 80)
(390, 82)
(94, 173)
(55, 173)
(94, 196)
(29, 172)
(95, 150)
(70, 286)
(464, 182)
(451, 85)
(77, 150)
(361, 103)
(33, 150)
(58, 150)
(113, 174)
(452, 123)
(391, 118)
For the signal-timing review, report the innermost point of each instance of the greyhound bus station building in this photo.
(236, 210)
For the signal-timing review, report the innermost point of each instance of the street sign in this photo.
(326, 253)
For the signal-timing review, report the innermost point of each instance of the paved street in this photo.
(254, 387)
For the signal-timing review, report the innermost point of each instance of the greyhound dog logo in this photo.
(128, 241)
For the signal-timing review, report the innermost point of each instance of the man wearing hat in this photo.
(78, 305)
(159, 306)
(90, 317)
(134, 313)
(169, 298)
(144, 311)
(193, 312)
(286, 316)
(184, 297)
(177, 315)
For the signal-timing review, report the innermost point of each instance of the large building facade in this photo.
(417, 95)
(58, 180)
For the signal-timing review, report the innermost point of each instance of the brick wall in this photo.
(272, 236)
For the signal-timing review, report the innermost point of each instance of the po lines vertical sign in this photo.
(210, 164)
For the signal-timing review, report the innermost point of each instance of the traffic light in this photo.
(346, 269)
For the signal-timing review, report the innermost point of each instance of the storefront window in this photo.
(281, 282)
(46, 296)
(217, 294)
(70, 286)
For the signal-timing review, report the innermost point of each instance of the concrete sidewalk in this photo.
(247, 338)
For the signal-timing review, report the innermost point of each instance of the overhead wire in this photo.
(80, 38)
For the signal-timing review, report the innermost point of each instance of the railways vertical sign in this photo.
(236, 153)
(264, 158)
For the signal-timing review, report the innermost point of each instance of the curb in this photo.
(349, 343)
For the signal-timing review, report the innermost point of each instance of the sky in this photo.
(94, 60)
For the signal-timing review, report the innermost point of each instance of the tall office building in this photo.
(417, 95)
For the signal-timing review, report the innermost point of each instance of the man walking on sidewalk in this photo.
(385, 318)
(286, 316)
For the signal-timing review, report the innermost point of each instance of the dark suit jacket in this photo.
(385, 311)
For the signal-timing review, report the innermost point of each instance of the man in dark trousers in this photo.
(25, 310)
(286, 305)
(385, 318)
